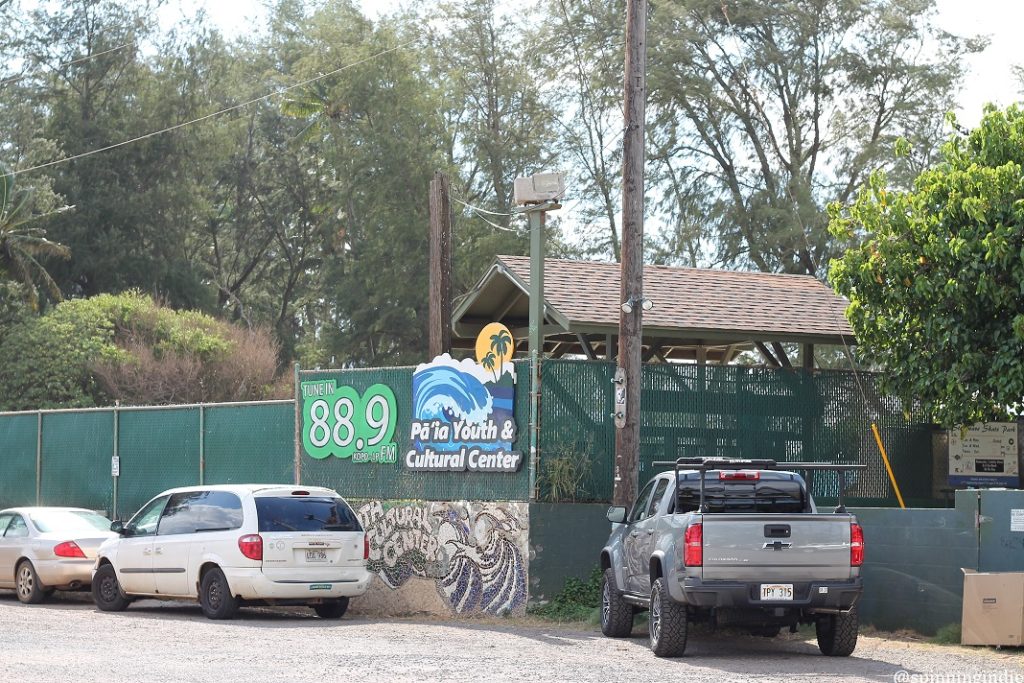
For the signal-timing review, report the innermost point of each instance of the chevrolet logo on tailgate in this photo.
(777, 545)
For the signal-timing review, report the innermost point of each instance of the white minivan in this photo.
(231, 545)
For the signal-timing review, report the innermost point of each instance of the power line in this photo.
(216, 113)
(15, 79)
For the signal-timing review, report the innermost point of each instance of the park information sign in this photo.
(339, 421)
(462, 413)
(984, 455)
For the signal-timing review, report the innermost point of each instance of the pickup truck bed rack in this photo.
(703, 465)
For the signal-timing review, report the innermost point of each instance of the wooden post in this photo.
(440, 332)
(627, 438)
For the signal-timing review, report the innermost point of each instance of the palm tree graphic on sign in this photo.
(494, 348)
(500, 343)
(488, 363)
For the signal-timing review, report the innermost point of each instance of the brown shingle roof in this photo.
(691, 301)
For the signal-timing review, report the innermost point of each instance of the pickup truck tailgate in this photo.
(776, 547)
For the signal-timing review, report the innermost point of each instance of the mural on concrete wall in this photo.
(473, 552)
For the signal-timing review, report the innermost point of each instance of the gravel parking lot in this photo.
(67, 639)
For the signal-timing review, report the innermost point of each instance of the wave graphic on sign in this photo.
(449, 393)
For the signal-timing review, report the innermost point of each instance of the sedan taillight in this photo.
(68, 549)
(251, 546)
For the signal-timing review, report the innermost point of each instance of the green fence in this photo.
(732, 411)
(64, 457)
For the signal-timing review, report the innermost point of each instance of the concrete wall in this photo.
(912, 576)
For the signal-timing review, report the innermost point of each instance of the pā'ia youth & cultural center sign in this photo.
(463, 410)
(461, 415)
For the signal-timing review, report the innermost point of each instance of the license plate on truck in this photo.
(776, 591)
(316, 556)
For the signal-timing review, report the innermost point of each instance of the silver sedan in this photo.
(47, 548)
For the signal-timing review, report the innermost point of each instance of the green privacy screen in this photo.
(732, 411)
(688, 410)
(18, 459)
(76, 451)
(159, 449)
(251, 443)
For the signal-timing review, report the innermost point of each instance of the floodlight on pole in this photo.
(645, 303)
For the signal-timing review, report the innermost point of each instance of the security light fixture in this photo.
(645, 303)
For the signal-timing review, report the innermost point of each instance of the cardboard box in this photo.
(993, 608)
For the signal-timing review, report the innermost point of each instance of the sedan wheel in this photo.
(30, 590)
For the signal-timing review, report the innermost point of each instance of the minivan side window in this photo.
(145, 520)
(198, 511)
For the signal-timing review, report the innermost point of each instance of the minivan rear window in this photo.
(305, 513)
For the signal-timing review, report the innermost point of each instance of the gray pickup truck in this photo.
(735, 543)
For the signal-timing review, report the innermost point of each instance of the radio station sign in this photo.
(985, 455)
(462, 414)
(339, 421)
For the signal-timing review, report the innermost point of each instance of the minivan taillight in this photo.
(693, 545)
(251, 546)
(366, 546)
(68, 549)
(856, 545)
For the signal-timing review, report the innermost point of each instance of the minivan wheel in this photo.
(27, 585)
(333, 609)
(106, 590)
(215, 596)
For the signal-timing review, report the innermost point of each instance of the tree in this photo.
(936, 277)
(23, 244)
(766, 111)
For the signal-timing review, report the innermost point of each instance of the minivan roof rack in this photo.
(702, 465)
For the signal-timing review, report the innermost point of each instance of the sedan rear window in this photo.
(305, 513)
(69, 521)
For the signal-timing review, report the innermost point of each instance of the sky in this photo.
(990, 77)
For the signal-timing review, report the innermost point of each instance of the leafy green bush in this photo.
(947, 635)
(577, 601)
(126, 347)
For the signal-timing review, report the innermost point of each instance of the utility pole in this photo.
(440, 271)
(627, 434)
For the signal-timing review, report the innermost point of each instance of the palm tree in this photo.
(488, 363)
(22, 246)
(499, 344)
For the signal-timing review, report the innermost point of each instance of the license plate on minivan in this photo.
(316, 556)
(776, 591)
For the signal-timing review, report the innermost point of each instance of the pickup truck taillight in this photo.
(856, 545)
(693, 545)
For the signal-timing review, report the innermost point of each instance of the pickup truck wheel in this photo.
(667, 623)
(616, 613)
(837, 633)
